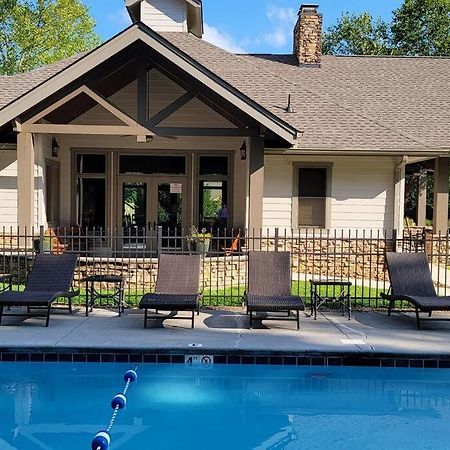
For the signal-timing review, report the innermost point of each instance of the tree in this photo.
(34, 33)
(422, 27)
(358, 35)
(418, 28)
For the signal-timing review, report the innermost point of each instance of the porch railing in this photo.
(356, 256)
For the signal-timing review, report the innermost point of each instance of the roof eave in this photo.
(133, 9)
(141, 32)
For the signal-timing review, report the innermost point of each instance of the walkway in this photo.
(227, 331)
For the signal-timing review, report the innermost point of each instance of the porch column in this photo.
(422, 199)
(440, 204)
(25, 181)
(399, 196)
(256, 183)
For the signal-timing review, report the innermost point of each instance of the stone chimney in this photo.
(308, 36)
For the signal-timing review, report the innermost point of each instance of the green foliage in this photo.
(418, 28)
(422, 27)
(39, 32)
(358, 35)
(211, 204)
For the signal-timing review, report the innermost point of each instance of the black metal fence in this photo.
(355, 256)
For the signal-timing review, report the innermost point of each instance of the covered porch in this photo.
(136, 143)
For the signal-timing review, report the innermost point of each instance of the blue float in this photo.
(119, 401)
(130, 376)
(102, 441)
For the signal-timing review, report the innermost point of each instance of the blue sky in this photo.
(246, 25)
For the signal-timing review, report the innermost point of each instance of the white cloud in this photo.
(221, 39)
(283, 21)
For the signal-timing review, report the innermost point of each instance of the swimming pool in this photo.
(61, 406)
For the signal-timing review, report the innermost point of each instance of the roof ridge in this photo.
(347, 108)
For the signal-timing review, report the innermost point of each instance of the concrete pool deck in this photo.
(366, 334)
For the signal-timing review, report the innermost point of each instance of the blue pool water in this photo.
(51, 406)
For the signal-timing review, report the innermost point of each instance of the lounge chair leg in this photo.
(28, 309)
(70, 306)
(251, 319)
(48, 316)
(193, 319)
(1, 314)
(391, 307)
(418, 318)
(298, 319)
(429, 314)
(145, 317)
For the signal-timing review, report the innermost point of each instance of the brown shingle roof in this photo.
(13, 87)
(384, 103)
(349, 103)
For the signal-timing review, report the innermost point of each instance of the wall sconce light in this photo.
(243, 150)
(55, 148)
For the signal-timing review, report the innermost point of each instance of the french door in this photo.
(147, 203)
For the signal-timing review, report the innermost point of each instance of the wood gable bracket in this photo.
(130, 128)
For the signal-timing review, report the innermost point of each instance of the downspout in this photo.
(399, 195)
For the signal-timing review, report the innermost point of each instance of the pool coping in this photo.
(232, 357)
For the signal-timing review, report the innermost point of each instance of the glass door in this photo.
(147, 203)
(170, 210)
(134, 208)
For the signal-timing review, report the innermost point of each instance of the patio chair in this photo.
(411, 281)
(269, 286)
(177, 287)
(50, 278)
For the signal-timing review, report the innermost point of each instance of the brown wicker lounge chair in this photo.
(269, 286)
(411, 281)
(177, 287)
(50, 278)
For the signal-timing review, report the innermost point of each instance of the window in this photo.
(148, 165)
(213, 197)
(213, 204)
(312, 196)
(91, 190)
(52, 192)
(213, 165)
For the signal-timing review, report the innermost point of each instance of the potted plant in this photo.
(199, 241)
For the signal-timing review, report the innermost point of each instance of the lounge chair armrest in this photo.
(73, 294)
(6, 279)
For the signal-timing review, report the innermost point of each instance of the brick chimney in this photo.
(308, 36)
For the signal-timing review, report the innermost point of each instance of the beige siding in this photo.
(362, 191)
(8, 189)
(164, 15)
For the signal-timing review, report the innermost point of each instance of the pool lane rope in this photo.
(102, 439)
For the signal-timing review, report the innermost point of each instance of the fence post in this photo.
(159, 240)
(41, 239)
(394, 240)
(277, 238)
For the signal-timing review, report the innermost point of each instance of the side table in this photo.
(341, 288)
(93, 294)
